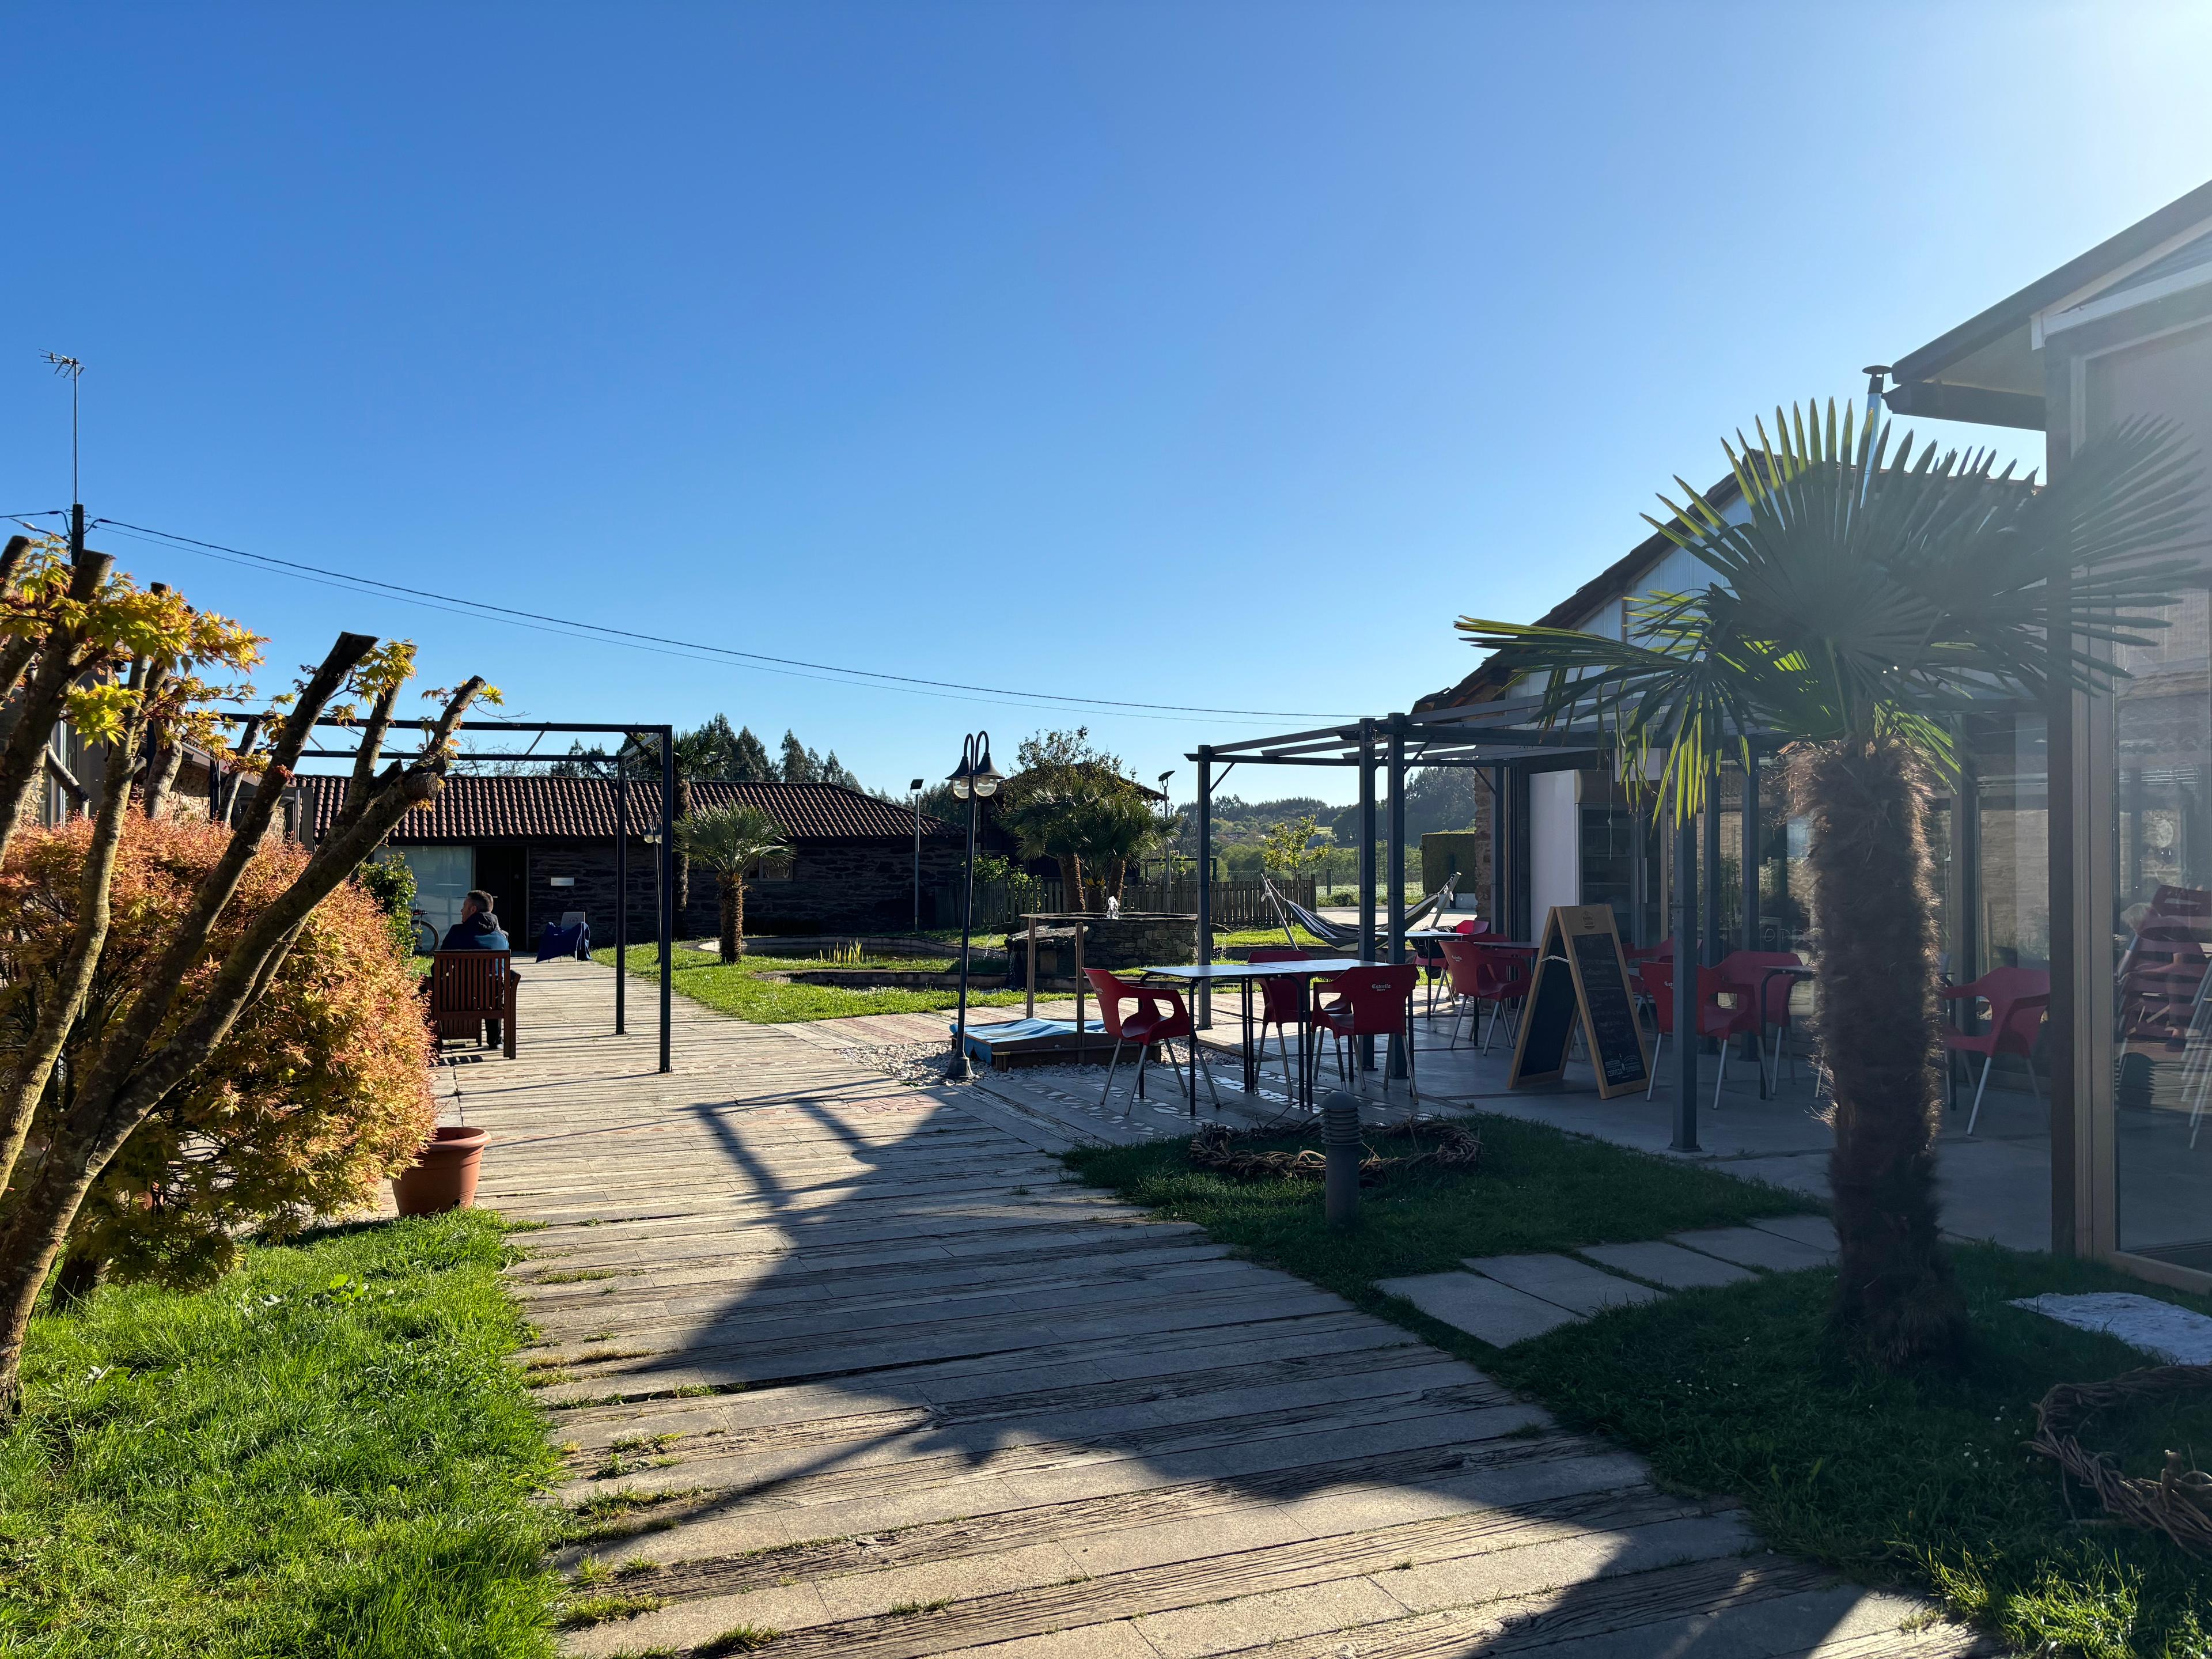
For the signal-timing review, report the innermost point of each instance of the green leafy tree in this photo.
(389, 880)
(749, 762)
(1864, 601)
(1291, 848)
(731, 842)
(800, 764)
(1071, 802)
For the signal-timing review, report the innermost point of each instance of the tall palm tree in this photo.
(731, 841)
(1866, 601)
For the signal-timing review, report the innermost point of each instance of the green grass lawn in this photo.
(1924, 1478)
(327, 1452)
(1920, 1482)
(739, 989)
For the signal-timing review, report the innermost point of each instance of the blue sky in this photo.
(1190, 354)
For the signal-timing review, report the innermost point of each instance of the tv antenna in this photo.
(75, 369)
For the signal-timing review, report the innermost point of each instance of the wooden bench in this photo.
(466, 988)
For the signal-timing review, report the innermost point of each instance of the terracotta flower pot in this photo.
(444, 1176)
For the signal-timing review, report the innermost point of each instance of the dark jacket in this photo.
(480, 932)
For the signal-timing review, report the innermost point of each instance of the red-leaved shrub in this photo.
(321, 1090)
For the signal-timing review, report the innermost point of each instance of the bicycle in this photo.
(426, 936)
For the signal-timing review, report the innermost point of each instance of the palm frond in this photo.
(1869, 587)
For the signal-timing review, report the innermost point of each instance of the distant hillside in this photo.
(1439, 797)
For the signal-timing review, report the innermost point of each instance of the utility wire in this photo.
(575, 629)
(345, 585)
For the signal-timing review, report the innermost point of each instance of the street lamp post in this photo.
(976, 780)
(916, 788)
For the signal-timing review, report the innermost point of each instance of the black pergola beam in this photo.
(667, 905)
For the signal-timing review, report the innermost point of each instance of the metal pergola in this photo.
(1507, 741)
(666, 908)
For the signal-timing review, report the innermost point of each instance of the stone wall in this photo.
(1129, 941)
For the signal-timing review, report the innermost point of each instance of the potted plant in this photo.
(444, 1174)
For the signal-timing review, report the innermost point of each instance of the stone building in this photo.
(545, 846)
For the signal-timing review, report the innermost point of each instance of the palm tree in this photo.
(1864, 603)
(731, 841)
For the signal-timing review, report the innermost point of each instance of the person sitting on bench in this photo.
(479, 929)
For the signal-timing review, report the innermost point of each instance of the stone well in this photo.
(1133, 939)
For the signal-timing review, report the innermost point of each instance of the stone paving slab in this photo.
(1814, 1230)
(1754, 1247)
(1670, 1265)
(1486, 1309)
(2180, 1336)
(1562, 1280)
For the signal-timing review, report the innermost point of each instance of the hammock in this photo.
(1288, 911)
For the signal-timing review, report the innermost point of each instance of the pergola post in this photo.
(622, 893)
(1712, 952)
(1751, 850)
(1752, 1039)
(1684, 918)
(669, 908)
(1202, 996)
(1397, 880)
(1367, 841)
(1500, 902)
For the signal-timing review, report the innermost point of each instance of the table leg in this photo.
(1305, 1032)
(1251, 1063)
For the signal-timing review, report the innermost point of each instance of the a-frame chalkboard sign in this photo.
(1580, 973)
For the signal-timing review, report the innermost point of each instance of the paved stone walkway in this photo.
(849, 1361)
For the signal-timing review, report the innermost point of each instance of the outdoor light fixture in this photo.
(975, 780)
(915, 788)
(976, 775)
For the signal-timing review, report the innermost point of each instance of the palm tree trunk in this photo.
(1873, 897)
(733, 905)
(1071, 882)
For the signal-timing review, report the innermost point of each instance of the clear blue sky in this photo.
(1200, 354)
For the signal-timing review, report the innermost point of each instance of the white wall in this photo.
(1555, 853)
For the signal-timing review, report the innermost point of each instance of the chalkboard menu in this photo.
(1582, 975)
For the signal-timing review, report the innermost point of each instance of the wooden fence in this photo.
(1238, 904)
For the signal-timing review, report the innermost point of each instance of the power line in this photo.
(346, 586)
(588, 628)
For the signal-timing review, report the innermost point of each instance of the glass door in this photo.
(2162, 923)
(443, 875)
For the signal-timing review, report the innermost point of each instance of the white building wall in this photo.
(1555, 861)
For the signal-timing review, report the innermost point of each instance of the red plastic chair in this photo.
(1150, 1023)
(1463, 967)
(1504, 976)
(1278, 998)
(1372, 1001)
(1715, 1018)
(1745, 970)
(2018, 999)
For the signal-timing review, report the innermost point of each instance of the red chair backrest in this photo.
(1280, 996)
(1746, 969)
(2017, 998)
(1659, 979)
(2182, 902)
(1504, 975)
(1463, 961)
(1375, 999)
(1112, 993)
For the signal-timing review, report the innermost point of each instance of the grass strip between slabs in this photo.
(326, 1453)
(1922, 1481)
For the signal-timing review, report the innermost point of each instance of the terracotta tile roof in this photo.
(553, 808)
